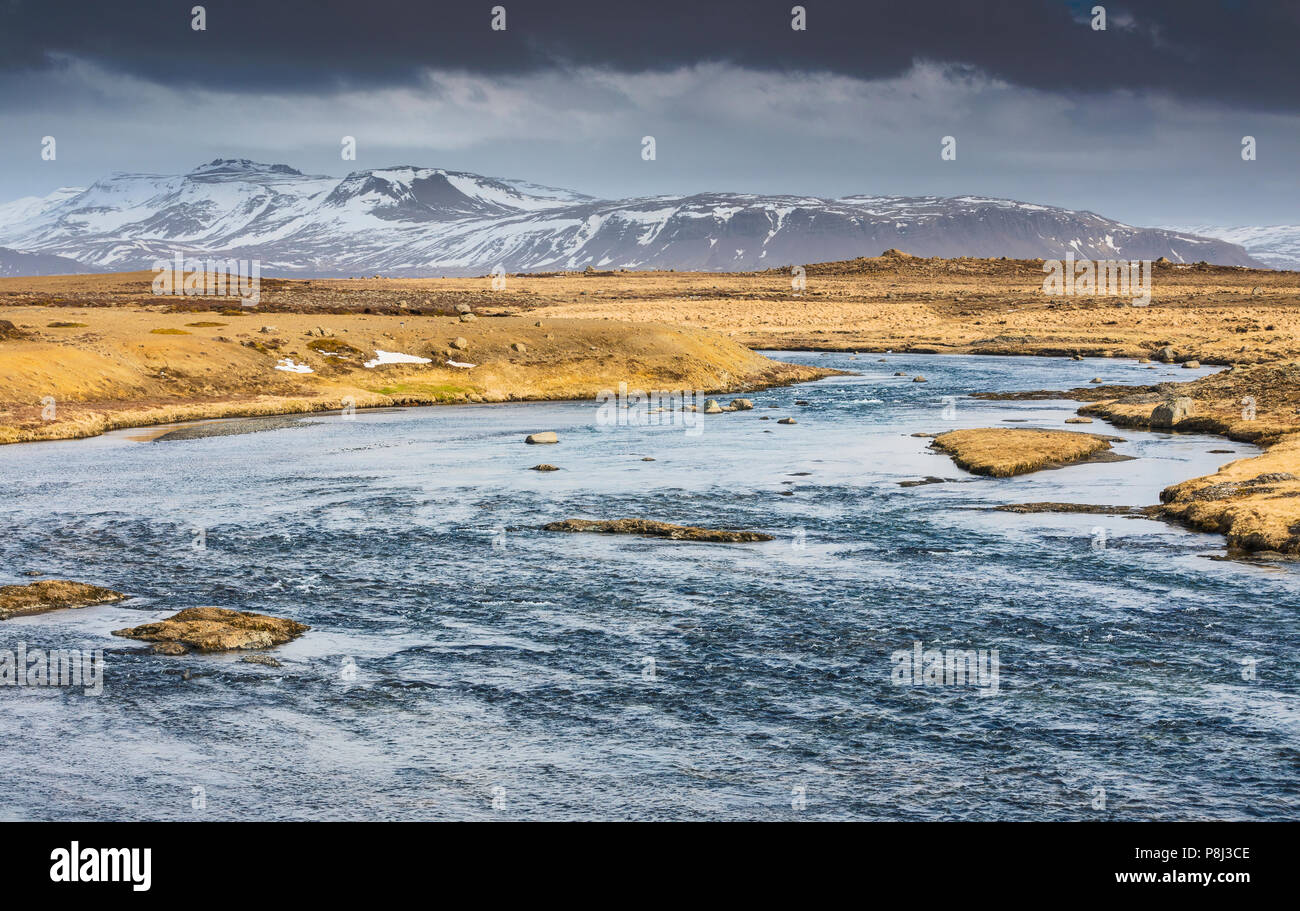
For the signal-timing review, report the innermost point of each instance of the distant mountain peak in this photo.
(245, 165)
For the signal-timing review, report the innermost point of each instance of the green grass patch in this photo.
(333, 346)
(438, 391)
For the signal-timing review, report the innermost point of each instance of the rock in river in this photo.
(547, 436)
(214, 629)
(654, 529)
(52, 594)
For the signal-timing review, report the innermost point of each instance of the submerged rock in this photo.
(214, 629)
(543, 467)
(261, 659)
(52, 594)
(1087, 508)
(650, 528)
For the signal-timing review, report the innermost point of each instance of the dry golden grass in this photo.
(134, 366)
(1254, 502)
(1213, 314)
(1001, 452)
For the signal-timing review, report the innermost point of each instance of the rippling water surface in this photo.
(464, 664)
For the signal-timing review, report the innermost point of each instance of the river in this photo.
(463, 663)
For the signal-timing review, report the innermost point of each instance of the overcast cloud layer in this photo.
(1142, 122)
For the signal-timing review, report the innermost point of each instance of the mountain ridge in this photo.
(410, 220)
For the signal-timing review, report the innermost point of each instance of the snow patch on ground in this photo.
(394, 357)
(287, 365)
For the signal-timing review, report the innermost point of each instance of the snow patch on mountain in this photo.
(1274, 245)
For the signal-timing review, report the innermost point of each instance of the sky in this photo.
(1142, 121)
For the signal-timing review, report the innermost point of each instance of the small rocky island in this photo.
(214, 629)
(1001, 452)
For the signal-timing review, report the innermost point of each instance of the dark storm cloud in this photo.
(1241, 52)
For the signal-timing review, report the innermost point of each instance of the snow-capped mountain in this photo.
(407, 221)
(1274, 245)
